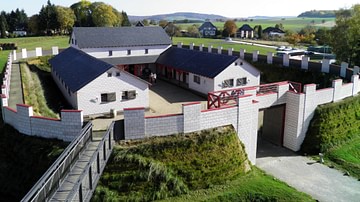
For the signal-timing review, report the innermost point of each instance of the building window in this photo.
(128, 95)
(241, 81)
(228, 83)
(197, 79)
(146, 51)
(72, 41)
(129, 52)
(108, 97)
(110, 53)
(110, 74)
(117, 73)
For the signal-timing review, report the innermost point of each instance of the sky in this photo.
(227, 8)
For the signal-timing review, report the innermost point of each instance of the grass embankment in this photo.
(335, 131)
(276, 73)
(24, 159)
(220, 42)
(211, 164)
(39, 89)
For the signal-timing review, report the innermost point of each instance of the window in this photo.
(197, 79)
(128, 95)
(146, 51)
(117, 73)
(228, 83)
(129, 52)
(241, 81)
(109, 74)
(72, 41)
(108, 97)
(110, 52)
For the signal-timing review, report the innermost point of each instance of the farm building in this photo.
(205, 72)
(100, 72)
(273, 31)
(95, 86)
(207, 29)
(245, 31)
(130, 48)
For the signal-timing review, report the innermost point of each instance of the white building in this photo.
(130, 48)
(206, 72)
(95, 86)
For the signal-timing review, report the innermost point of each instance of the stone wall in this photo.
(67, 128)
(22, 119)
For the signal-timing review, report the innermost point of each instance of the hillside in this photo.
(210, 165)
(318, 14)
(179, 16)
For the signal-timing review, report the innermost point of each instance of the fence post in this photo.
(356, 70)
(242, 53)
(305, 62)
(14, 55)
(210, 48)
(286, 60)
(344, 66)
(230, 51)
(325, 65)
(201, 47)
(179, 44)
(23, 53)
(55, 50)
(255, 56)
(220, 49)
(38, 52)
(191, 46)
(270, 56)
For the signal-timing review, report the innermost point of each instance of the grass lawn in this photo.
(3, 59)
(30, 43)
(254, 186)
(220, 42)
(346, 157)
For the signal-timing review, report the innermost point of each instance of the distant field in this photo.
(220, 42)
(294, 24)
(31, 43)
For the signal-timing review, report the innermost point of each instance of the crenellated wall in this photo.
(299, 110)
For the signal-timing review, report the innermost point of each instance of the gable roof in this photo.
(246, 27)
(197, 62)
(77, 68)
(273, 29)
(101, 37)
(207, 24)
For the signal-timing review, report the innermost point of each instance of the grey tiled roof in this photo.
(77, 68)
(131, 60)
(197, 62)
(101, 37)
(245, 27)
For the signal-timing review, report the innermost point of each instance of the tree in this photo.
(65, 18)
(322, 36)
(163, 23)
(145, 22)
(104, 16)
(125, 20)
(48, 21)
(3, 25)
(172, 30)
(345, 35)
(279, 26)
(259, 32)
(230, 27)
(193, 31)
(82, 13)
(34, 24)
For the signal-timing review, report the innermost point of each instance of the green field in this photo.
(220, 42)
(294, 24)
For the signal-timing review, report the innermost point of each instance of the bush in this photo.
(8, 46)
(332, 125)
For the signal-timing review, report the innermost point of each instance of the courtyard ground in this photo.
(164, 98)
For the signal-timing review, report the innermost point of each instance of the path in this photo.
(306, 175)
(16, 94)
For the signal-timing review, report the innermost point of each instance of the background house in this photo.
(245, 31)
(207, 29)
(95, 86)
(273, 31)
(205, 72)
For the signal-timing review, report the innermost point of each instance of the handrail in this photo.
(93, 158)
(46, 179)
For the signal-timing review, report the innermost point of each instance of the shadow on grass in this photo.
(54, 98)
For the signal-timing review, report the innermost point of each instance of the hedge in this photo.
(333, 124)
(8, 46)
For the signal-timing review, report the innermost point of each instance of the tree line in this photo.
(54, 19)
